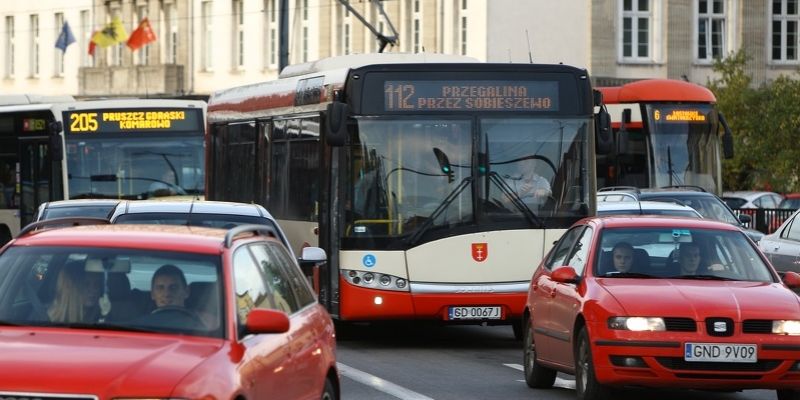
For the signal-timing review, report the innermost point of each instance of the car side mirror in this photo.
(262, 320)
(312, 255)
(565, 274)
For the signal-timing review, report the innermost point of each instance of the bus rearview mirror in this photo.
(605, 140)
(336, 124)
(727, 138)
(54, 129)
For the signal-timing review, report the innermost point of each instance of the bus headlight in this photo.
(375, 280)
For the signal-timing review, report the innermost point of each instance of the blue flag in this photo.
(65, 38)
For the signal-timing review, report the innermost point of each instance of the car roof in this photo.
(82, 203)
(190, 239)
(747, 194)
(191, 207)
(643, 205)
(649, 221)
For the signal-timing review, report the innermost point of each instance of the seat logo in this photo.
(720, 327)
(480, 251)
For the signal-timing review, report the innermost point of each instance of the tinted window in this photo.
(734, 202)
(81, 211)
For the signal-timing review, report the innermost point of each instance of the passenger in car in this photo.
(169, 287)
(76, 295)
(622, 256)
(691, 261)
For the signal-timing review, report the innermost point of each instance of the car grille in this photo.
(44, 396)
(677, 363)
(757, 326)
(680, 324)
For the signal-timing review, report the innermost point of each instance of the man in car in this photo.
(622, 256)
(169, 287)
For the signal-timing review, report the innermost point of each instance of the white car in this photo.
(751, 199)
(645, 208)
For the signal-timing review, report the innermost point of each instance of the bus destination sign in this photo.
(470, 95)
(679, 115)
(123, 120)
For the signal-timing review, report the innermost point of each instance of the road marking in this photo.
(380, 384)
(562, 383)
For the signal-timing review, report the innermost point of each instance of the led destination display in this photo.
(471, 95)
(119, 120)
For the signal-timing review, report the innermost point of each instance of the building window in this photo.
(171, 21)
(238, 34)
(34, 46)
(305, 44)
(58, 60)
(463, 35)
(346, 40)
(207, 32)
(637, 19)
(305, 10)
(416, 35)
(141, 56)
(9, 65)
(85, 36)
(784, 35)
(711, 30)
(116, 50)
(271, 33)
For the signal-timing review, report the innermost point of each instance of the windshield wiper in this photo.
(516, 200)
(104, 327)
(703, 277)
(413, 239)
(618, 274)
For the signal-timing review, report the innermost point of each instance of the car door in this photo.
(307, 373)
(265, 364)
(566, 299)
(783, 250)
(543, 292)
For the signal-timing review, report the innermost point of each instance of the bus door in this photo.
(35, 177)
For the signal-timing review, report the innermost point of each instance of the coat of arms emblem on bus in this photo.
(480, 251)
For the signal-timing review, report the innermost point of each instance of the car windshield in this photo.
(684, 253)
(674, 213)
(96, 211)
(111, 288)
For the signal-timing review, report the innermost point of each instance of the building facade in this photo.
(205, 45)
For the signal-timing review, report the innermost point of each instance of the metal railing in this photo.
(766, 220)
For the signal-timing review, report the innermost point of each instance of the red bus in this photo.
(404, 168)
(666, 133)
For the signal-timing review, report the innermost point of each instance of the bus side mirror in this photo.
(605, 140)
(54, 129)
(623, 136)
(336, 124)
(727, 138)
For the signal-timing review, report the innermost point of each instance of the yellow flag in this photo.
(111, 34)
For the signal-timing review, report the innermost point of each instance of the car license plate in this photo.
(720, 352)
(475, 313)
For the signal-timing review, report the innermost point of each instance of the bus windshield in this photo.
(414, 176)
(135, 168)
(685, 145)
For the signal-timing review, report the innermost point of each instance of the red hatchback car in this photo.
(661, 302)
(160, 312)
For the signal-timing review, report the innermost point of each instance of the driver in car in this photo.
(169, 288)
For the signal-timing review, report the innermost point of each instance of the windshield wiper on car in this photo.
(516, 200)
(413, 239)
(618, 274)
(703, 277)
(104, 327)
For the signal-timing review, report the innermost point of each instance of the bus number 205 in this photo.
(83, 122)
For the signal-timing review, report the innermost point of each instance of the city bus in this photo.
(666, 133)
(56, 148)
(404, 169)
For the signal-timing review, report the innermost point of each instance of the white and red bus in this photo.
(667, 133)
(56, 148)
(404, 168)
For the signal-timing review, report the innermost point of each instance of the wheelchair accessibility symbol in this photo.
(369, 260)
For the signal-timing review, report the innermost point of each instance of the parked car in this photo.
(791, 201)
(782, 247)
(689, 311)
(153, 311)
(751, 199)
(707, 204)
(92, 208)
(607, 208)
(214, 214)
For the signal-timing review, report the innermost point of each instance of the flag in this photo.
(65, 38)
(92, 45)
(111, 34)
(142, 35)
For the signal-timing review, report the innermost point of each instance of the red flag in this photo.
(92, 45)
(142, 35)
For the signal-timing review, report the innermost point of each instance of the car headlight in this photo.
(637, 324)
(786, 327)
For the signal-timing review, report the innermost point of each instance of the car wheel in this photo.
(788, 394)
(586, 385)
(536, 376)
(518, 329)
(329, 392)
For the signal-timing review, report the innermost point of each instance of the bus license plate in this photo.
(719, 352)
(475, 313)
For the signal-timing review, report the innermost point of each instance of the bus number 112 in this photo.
(399, 94)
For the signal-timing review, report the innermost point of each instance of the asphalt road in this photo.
(429, 361)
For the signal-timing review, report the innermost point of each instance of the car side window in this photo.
(563, 247)
(250, 286)
(277, 279)
(793, 231)
(297, 281)
(581, 251)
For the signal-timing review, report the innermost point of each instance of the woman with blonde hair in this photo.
(76, 295)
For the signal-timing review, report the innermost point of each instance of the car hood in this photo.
(83, 361)
(699, 299)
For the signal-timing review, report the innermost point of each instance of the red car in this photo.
(661, 302)
(157, 312)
